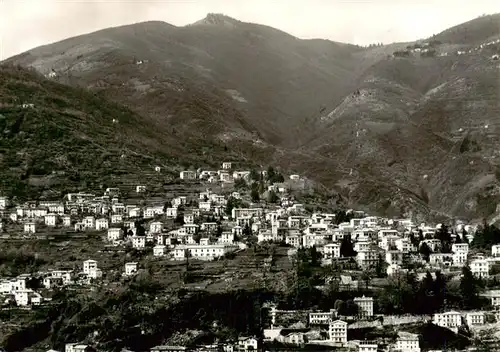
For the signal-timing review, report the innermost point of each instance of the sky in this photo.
(25, 24)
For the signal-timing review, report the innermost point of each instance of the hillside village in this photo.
(360, 254)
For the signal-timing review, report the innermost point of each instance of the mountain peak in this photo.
(217, 19)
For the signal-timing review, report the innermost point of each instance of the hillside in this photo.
(272, 78)
(405, 128)
(71, 139)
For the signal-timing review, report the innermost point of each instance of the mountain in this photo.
(406, 128)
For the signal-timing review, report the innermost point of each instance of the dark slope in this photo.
(272, 78)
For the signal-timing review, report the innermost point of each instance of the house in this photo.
(116, 218)
(321, 318)
(50, 219)
(407, 342)
(294, 177)
(495, 250)
(140, 189)
(188, 218)
(247, 344)
(331, 251)
(165, 348)
(365, 305)
(495, 298)
(337, 331)
(474, 318)
(66, 220)
(202, 252)
(187, 175)
(29, 227)
(3, 203)
(115, 234)
(26, 297)
(89, 222)
(293, 337)
(79, 226)
(138, 241)
(480, 268)
(226, 237)
(159, 250)
(226, 165)
(90, 268)
(171, 212)
(76, 347)
(367, 346)
(448, 320)
(130, 268)
(101, 224)
(460, 252)
(156, 227)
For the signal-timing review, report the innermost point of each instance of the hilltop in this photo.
(405, 128)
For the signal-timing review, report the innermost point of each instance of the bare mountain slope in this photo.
(272, 78)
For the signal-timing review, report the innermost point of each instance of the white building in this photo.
(187, 175)
(447, 320)
(495, 250)
(115, 234)
(480, 268)
(29, 227)
(116, 218)
(407, 342)
(3, 203)
(226, 165)
(367, 346)
(140, 189)
(101, 224)
(337, 331)
(159, 250)
(50, 219)
(89, 222)
(202, 252)
(66, 220)
(321, 318)
(365, 305)
(90, 268)
(474, 318)
(331, 251)
(155, 227)
(130, 268)
(138, 241)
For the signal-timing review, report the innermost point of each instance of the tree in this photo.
(140, 230)
(425, 251)
(240, 184)
(272, 197)
(254, 195)
(247, 231)
(315, 256)
(468, 288)
(486, 236)
(380, 267)
(254, 175)
(346, 247)
(197, 237)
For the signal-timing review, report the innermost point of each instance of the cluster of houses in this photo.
(201, 226)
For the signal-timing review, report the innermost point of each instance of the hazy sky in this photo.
(25, 24)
